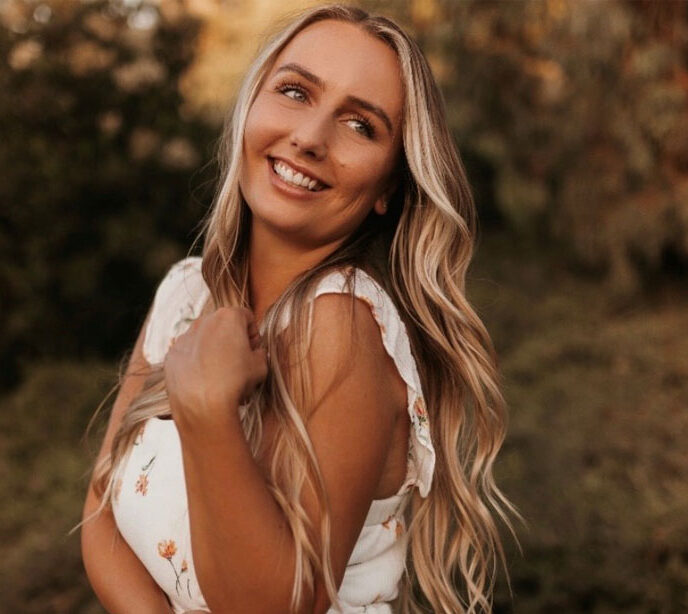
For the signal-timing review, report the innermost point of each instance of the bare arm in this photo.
(238, 531)
(119, 579)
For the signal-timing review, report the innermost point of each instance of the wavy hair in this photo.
(419, 252)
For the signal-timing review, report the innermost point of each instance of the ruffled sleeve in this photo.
(179, 299)
(396, 342)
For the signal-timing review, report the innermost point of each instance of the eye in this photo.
(366, 126)
(368, 129)
(283, 88)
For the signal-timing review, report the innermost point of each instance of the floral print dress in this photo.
(150, 506)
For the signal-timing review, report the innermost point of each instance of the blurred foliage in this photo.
(592, 458)
(43, 473)
(97, 161)
(572, 117)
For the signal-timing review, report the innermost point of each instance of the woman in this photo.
(313, 404)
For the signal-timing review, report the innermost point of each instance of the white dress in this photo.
(150, 507)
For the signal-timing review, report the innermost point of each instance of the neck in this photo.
(274, 263)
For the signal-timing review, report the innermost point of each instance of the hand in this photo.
(216, 364)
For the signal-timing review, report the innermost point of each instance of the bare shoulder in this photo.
(346, 336)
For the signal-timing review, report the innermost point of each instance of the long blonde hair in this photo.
(419, 252)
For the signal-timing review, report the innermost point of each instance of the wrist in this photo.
(204, 418)
(214, 424)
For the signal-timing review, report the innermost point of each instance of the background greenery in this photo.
(571, 117)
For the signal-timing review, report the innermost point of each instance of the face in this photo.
(330, 108)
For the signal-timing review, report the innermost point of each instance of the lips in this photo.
(300, 169)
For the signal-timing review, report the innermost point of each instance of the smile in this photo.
(294, 178)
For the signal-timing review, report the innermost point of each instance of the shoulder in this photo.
(191, 265)
(338, 316)
(357, 283)
(379, 313)
(179, 274)
(348, 342)
(351, 302)
(177, 300)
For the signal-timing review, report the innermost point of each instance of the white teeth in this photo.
(298, 179)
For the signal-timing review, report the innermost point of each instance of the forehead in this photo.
(350, 61)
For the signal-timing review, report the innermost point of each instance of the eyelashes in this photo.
(287, 85)
(369, 130)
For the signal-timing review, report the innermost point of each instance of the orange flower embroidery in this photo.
(419, 409)
(398, 528)
(167, 549)
(142, 484)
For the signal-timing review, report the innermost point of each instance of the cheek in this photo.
(262, 126)
(364, 173)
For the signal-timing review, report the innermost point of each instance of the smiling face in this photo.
(330, 106)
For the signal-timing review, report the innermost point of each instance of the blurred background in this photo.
(572, 119)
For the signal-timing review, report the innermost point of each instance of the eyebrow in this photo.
(364, 104)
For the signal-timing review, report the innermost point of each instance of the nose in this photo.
(309, 138)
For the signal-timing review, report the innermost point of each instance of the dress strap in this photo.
(179, 299)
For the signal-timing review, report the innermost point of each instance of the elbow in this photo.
(97, 529)
(89, 559)
(85, 534)
(88, 521)
(89, 546)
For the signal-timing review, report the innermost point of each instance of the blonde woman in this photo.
(311, 412)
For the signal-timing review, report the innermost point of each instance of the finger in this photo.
(252, 329)
(246, 316)
(254, 335)
(256, 341)
(260, 364)
(246, 313)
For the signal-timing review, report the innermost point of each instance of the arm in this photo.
(242, 546)
(119, 579)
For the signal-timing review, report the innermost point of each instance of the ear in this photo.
(381, 205)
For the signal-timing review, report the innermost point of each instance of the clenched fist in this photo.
(214, 366)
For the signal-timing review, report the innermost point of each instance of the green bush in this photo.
(99, 168)
(572, 119)
(45, 464)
